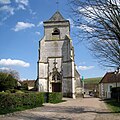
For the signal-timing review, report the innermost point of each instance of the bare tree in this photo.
(98, 22)
(11, 72)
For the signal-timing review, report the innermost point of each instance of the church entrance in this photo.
(56, 87)
(56, 79)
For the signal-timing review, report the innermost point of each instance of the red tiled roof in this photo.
(30, 83)
(110, 77)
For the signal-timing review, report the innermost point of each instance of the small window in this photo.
(56, 32)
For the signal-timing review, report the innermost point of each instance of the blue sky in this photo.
(21, 28)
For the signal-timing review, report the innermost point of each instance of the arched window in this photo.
(56, 31)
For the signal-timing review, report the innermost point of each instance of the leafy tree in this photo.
(98, 23)
(7, 81)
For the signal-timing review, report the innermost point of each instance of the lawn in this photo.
(113, 105)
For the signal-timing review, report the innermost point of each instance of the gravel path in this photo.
(78, 109)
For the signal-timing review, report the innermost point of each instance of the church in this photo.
(56, 71)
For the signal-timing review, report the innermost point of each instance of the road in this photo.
(87, 108)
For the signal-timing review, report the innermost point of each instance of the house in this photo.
(109, 81)
(30, 83)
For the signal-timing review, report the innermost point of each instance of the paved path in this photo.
(78, 109)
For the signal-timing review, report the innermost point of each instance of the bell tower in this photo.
(56, 67)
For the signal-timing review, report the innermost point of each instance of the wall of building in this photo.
(57, 48)
(104, 89)
(62, 26)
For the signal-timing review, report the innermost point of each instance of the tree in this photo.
(98, 22)
(14, 73)
(7, 81)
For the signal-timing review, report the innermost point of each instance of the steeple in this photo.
(56, 27)
(57, 17)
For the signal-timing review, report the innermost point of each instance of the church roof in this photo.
(56, 17)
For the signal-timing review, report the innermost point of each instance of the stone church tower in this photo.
(56, 67)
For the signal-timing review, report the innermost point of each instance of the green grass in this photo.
(92, 80)
(113, 105)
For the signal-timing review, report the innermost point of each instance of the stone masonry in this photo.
(56, 66)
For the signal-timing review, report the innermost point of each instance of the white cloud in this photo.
(31, 12)
(87, 9)
(86, 28)
(82, 63)
(24, 2)
(7, 9)
(10, 62)
(22, 25)
(21, 7)
(38, 33)
(85, 67)
(5, 68)
(5, 1)
(40, 24)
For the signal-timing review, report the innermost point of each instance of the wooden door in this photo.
(56, 87)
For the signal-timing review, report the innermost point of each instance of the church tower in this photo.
(56, 67)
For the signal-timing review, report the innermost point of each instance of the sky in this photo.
(21, 28)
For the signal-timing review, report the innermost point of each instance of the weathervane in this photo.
(57, 3)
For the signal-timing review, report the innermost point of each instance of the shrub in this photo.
(115, 92)
(7, 81)
(11, 102)
(55, 97)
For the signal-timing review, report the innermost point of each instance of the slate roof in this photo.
(110, 77)
(57, 17)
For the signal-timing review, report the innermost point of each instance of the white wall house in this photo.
(109, 81)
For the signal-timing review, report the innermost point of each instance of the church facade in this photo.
(56, 66)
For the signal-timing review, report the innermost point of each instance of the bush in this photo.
(11, 102)
(115, 92)
(55, 97)
(7, 81)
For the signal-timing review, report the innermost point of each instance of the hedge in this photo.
(13, 101)
(55, 97)
(115, 92)
(10, 102)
